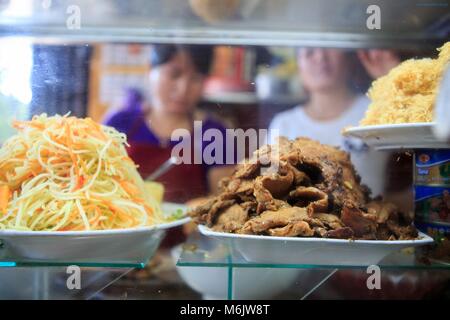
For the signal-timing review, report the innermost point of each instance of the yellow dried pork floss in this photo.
(408, 92)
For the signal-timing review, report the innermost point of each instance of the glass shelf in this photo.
(252, 22)
(158, 280)
(202, 252)
(219, 272)
(45, 282)
(38, 264)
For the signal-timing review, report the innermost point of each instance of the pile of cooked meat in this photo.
(301, 188)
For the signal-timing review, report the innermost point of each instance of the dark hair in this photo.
(201, 55)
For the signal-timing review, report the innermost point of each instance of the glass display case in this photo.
(154, 70)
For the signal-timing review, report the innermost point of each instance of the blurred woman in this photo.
(333, 103)
(176, 81)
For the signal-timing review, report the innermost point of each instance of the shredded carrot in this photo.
(130, 188)
(54, 162)
(148, 208)
(121, 214)
(20, 125)
(5, 195)
(80, 182)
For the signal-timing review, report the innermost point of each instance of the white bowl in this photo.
(124, 246)
(312, 251)
(248, 283)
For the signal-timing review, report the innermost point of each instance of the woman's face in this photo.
(176, 86)
(322, 69)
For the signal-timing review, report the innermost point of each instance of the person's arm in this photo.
(122, 120)
(215, 174)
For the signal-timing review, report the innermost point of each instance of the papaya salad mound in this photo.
(63, 173)
(407, 94)
(313, 191)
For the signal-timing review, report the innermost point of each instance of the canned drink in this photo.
(432, 167)
(432, 209)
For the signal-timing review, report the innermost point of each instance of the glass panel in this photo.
(20, 264)
(339, 284)
(70, 56)
(55, 282)
(232, 21)
(205, 252)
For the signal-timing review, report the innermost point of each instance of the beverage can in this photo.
(432, 209)
(432, 167)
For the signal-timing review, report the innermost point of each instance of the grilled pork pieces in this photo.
(301, 188)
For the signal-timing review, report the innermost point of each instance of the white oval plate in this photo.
(119, 246)
(315, 251)
(398, 136)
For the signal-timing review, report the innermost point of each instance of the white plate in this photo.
(315, 251)
(120, 246)
(398, 136)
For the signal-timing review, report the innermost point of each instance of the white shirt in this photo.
(369, 164)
